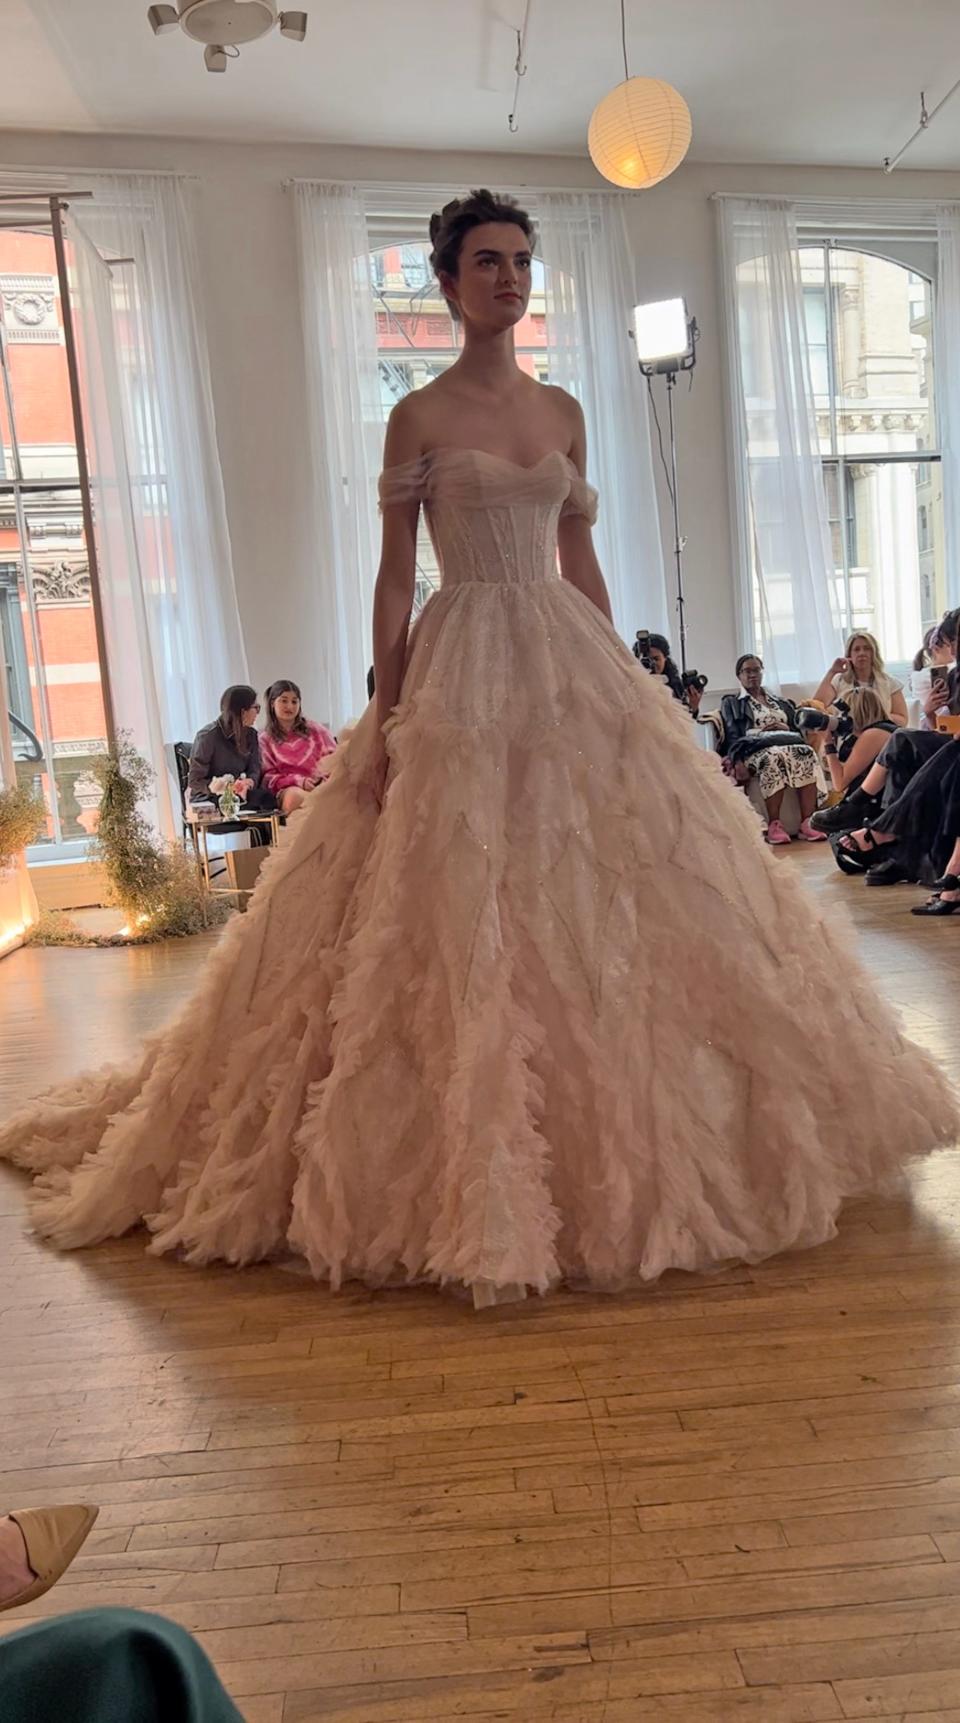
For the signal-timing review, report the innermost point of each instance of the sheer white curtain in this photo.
(788, 597)
(176, 487)
(131, 670)
(947, 361)
(346, 433)
(590, 295)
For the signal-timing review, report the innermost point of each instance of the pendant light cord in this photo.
(623, 34)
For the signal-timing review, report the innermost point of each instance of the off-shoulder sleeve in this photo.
(582, 499)
(404, 484)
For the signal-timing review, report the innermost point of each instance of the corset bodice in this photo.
(490, 520)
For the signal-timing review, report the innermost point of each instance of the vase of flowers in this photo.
(228, 798)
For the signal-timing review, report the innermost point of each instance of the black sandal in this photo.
(949, 882)
(851, 859)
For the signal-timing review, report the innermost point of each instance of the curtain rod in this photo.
(41, 196)
(853, 202)
(9, 172)
(443, 186)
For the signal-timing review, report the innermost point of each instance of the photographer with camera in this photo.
(762, 739)
(855, 729)
(654, 653)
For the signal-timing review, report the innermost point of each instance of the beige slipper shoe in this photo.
(53, 1537)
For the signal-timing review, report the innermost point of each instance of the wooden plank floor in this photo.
(724, 1498)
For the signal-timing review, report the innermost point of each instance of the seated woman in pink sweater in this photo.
(294, 752)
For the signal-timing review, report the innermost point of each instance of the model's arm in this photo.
(578, 559)
(393, 595)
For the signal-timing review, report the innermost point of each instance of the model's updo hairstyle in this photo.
(449, 228)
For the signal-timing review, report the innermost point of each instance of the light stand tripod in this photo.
(670, 367)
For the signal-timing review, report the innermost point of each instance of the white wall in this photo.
(250, 292)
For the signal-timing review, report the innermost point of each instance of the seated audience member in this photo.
(230, 747)
(293, 749)
(862, 666)
(761, 739)
(849, 758)
(917, 834)
(909, 755)
(936, 654)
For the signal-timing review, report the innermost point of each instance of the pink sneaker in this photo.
(809, 836)
(777, 833)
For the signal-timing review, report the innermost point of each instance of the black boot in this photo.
(889, 872)
(848, 816)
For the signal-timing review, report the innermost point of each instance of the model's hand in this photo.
(374, 779)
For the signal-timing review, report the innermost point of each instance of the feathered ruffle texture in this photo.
(556, 1013)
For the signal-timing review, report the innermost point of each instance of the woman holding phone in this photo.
(930, 670)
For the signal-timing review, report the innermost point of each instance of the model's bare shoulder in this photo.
(564, 402)
(570, 420)
(404, 439)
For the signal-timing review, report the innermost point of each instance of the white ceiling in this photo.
(808, 81)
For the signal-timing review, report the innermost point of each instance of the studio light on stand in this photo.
(666, 338)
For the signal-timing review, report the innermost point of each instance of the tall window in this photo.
(417, 340)
(46, 614)
(869, 327)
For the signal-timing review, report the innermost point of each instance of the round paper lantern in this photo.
(639, 133)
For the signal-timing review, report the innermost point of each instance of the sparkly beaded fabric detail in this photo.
(555, 1014)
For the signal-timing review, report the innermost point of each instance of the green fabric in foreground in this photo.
(109, 1666)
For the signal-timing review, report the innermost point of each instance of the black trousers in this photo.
(921, 802)
(904, 756)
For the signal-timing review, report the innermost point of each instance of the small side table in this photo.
(199, 832)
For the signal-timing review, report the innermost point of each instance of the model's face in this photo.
(861, 657)
(287, 708)
(492, 285)
(657, 660)
(751, 676)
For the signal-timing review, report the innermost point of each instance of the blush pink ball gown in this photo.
(555, 1014)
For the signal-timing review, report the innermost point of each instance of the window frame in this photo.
(863, 244)
(43, 216)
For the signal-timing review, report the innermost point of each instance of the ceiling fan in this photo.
(222, 25)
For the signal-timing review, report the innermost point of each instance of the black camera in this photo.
(641, 648)
(837, 722)
(693, 679)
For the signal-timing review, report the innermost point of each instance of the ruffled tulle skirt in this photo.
(555, 1014)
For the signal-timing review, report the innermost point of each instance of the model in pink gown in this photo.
(555, 1014)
